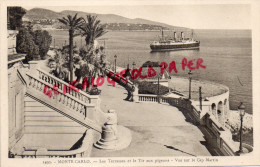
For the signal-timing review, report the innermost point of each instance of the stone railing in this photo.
(83, 151)
(154, 79)
(64, 87)
(220, 138)
(73, 105)
(147, 98)
(176, 102)
(57, 95)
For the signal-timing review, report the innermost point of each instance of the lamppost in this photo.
(158, 89)
(190, 73)
(241, 109)
(115, 63)
(133, 73)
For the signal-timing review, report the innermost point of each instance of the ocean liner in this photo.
(175, 43)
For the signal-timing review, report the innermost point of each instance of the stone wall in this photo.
(12, 41)
(16, 92)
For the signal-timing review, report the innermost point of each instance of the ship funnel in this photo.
(182, 35)
(175, 35)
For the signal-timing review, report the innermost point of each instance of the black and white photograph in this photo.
(129, 84)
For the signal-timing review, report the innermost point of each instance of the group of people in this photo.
(58, 71)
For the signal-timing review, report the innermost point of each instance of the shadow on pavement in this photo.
(171, 147)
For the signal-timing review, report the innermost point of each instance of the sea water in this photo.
(227, 55)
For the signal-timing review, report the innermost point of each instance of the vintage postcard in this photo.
(129, 83)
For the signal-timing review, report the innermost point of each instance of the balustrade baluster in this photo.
(85, 111)
(53, 96)
(40, 75)
(81, 108)
(30, 80)
(76, 106)
(73, 104)
(68, 102)
(37, 85)
(42, 86)
(80, 97)
(58, 97)
(33, 85)
(45, 78)
(65, 100)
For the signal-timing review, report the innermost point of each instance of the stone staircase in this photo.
(59, 120)
(62, 106)
(40, 119)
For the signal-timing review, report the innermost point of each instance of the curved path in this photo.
(157, 129)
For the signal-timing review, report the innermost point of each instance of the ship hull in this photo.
(179, 46)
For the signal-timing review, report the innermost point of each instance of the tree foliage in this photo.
(25, 44)
(150, 88)
(43, 40)
(151, 63)
(15, 15)
(73, 23)
(33, 43)
(92, 29)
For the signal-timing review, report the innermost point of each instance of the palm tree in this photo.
(73, 23)
(92, 30)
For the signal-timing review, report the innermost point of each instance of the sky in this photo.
(198, 16)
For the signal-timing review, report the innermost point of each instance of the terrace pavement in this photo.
(157, 129)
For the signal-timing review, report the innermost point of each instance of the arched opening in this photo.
(220, 112)
(213, 109)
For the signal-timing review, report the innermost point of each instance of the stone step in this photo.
(42, 113)
(38, 108)
(47, 118)
(33, 103)
(54, 130)
(46, 123)
(50, 141)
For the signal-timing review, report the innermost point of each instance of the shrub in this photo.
(150, 88)
(15, 15)
(151, 63)
(25, 44)
(35, 44)
(43, 40)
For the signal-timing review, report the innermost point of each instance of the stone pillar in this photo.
(135, 95)
(109, 138)
(113, 136)
(91, 112)
(33, 65)
(95, 100)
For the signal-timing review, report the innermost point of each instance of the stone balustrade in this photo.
(69, 89)
(147, 98)
(218, 135)
(57, 95)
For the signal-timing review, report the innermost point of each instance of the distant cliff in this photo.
(43, 17)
